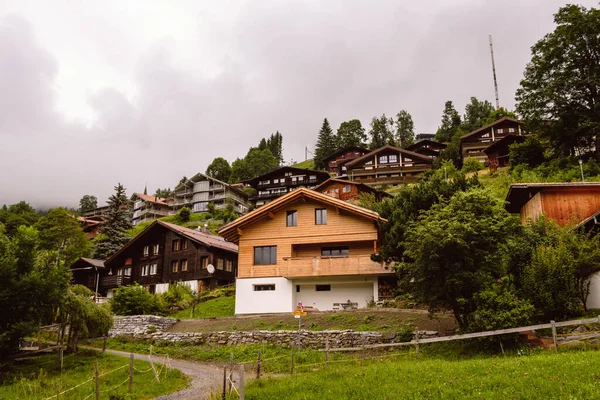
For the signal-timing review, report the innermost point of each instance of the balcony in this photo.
(113, 281)
(384, 169)
(297, 267)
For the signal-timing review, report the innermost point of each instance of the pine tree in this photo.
(381, 132)
(275, 144)
(450, 123)
(326, 145)
(115, 225)
(351, 133)
(405, 129)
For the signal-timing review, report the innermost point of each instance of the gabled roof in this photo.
(345, 150)
(505, 141)
(200, 176)
(301, 171)
(520, 193)
(232, 230)
(385, 148)
(425, 142)
(483, 128)
(150, 199)
(361, 186)
(87, 263)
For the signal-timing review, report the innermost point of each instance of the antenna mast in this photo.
(494, 70)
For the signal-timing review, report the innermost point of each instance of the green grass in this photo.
(545, 375)
(219, 307)
(308, 164)
(40, 377)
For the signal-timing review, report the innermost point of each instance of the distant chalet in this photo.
(474, 143)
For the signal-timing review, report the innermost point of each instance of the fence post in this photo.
(130, 372)
(224, 383)
(231, 370)
(242, 396)
(417, 342)
(327, 352)
(554, 335)
(258, 366)
(97, 381)
(292, 367)
(60, 358)
(153, 369)
(104, 346)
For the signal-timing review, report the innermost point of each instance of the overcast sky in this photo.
(98, 92)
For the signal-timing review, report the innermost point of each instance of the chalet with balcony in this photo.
(388, 165)
(336, 162)
(148, 208)
(310, 248)
(427, 147)
(498, 153)
(283, 180)
(89, 273)
(473, 144)
(200, 190)
(349, 190)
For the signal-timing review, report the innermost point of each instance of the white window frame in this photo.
(153, 268)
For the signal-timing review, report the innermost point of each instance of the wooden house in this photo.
(427, 147)
(472, 144)
(498, 153)
(283, 180)
(91, 226)
(148, 208)
(89, 273)
(336, 162)
(348, 190)
(310, 248)
(388, 165)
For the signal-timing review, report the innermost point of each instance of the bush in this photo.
(134, 300)
(184, 214)
(176, 298)
(471, 165)
(530, 152)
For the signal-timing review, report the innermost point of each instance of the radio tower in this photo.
(494, 70)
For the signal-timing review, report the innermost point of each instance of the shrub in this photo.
(530, 152)
(176, 298)
(134, 300)
(184, 214)
(471, 165)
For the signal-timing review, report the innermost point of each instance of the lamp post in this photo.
(581, 168)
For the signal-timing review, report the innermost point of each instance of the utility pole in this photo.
(494, 71)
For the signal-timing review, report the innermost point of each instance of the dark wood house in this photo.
(283, 180)
(91, 273)
(388, 165)
(336, 162)
(472, 144)
(498, 153)
(348, 190)
(427, 147)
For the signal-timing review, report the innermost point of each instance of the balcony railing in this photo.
(384, 169)
(114, 281)
(289, 182)
(296, 267)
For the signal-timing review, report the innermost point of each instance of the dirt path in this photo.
(206, 378)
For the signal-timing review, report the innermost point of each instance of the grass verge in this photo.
(218, 307)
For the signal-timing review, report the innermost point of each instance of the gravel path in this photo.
(206, 378)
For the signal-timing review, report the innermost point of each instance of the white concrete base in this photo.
(250, 301)
(161, 288)
(593, 300)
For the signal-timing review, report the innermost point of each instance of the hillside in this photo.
(308, 164)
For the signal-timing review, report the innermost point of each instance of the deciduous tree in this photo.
(381, 132)
(476, 114)
(405, 129)
(16, 215)
(450, 123)
(219, 169)
(351, 133)
(87, 203)
(163, 193)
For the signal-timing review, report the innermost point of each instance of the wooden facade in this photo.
(388, 165)
(427, 147)
(498, 153)
(473, 144)
(564, 203)
(336, 163)
(348, 190)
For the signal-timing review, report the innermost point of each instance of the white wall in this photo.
(593, 300)
(249, 301)
(161, 288)
(357, 291)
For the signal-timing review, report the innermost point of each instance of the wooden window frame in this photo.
(220, 263)
(175, 266)
(291, 218)
(153, 269)
(320, 216)
(203, 262)
(175, 244)
(183, 265)
(146, 251)
(328, 251)
(271, 258)
(155, 249)
(264, 287)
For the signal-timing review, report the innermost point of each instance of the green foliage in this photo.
(476, 114)
(225, 214)
(368, 200)
(184, 214)
(134, 300)
(17, 215)
(87, 203)
(381, 133)
(275, 146)
(529, 153)
(163, 193)
(176, 298)
(560, 90)
(209, 307)
(115, 225)
(219, 169)
(405, 129)
(257, 162)
(450, 123)
(498, 114)
(351, 133)
(326, 145)
(471, 165)
(308, 164)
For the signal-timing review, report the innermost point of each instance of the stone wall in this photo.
(140, 325)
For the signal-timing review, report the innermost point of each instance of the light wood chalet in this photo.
(306, 247)
(388, 165)
(472, 144)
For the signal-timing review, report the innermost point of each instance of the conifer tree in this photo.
(326, 145)
(450, 123)
(115, 225)
(381, 132)
(405, 129)
(275, 144)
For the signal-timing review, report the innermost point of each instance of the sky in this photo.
(95, 93)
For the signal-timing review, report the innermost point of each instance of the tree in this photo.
(113, 230)
(219, 169)
(351, 133)
(476, 114)
(498, 114)
(163, 193)
(134, 300)
(455, 251)
(381, 133)
(559, 95)
(326, 145)
(275, 145)
(16, 215)
(60, 231)
(87, 203)
(405, 129)
(257, 162)
(530, 153)
(450, 123)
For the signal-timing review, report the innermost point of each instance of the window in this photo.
(265, 255)
(175, 245)
(500, 130)
(145, 270)
(203, 262)
(297, 288)
(511, 130)
(229, 265)
(323, 288)
(291, 218)
(393, 158)
(346, 189)
(485, 135)
(321, 216)
(220, 263)
(153, 268)
(127, 271)
(262, 288)
(276, 180)
(288, 174)
(184, 244)
(146, 251)
(174, 266)
(334, 251)
(383, 159)
(155, 249)
(184, 264)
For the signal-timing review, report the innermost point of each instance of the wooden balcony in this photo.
(113, 281)
(390, 170)
(297, 267)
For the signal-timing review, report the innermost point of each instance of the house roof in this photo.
(424, 142)
(483, 128)
(232, 230)
(322, 174)
(196, 177)
(362, 186)
(388, 147)
(520, 193)
(87, 263)
(345, 150)
(505, 141)
(150, 199)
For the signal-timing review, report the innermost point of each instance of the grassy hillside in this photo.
(219, 307)
(308, 164)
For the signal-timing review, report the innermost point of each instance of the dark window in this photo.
(175, 245)
(297, 288)
(220, 263)
(261, 288)
(184, 244)
(334, 251)
(383, 159)
(174, 266)
(203, 262)
(146, 251)
(323, 288)
(321, 216)
(291, 218)
(184, 265)
(265, 255)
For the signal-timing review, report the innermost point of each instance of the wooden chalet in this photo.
(348, 190)
(283, 180)
(148, 208)
(427, 147)
(91, 226)
(91, 273)
(473, 144)
(498, 153)
(336, 162)
(310, 248)
(388, 165)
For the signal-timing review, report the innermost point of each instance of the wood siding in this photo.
(473, 146)
(532, 209)
(570, 206)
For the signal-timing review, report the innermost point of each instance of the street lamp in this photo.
(581, 168)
